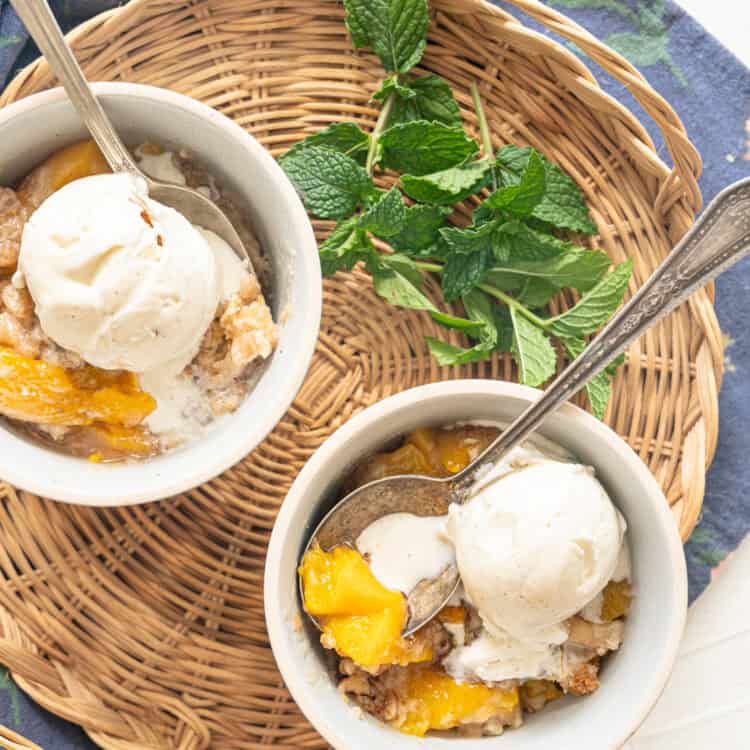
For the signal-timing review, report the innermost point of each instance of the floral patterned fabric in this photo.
(710, 89)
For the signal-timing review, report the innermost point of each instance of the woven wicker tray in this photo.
(145, 625)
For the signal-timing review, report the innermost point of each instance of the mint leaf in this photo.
(615, 364)
(579, 268)
(346, 245)
(563, 204)
(536, 292)
(470, 327)
(358, 25)
(397, 289)
(473, 240)
(505, 282)
(421, 147)
(449, 185)
(462, 272)
(599, 388)
(331, 185)
(459, 240)
(532, 350)
(524, 243)
(448, 354)
(504, 326)
(523, 197)
(469, 253)
(393, 85)
(386, 217)
(420, 229)
(396, 262)
(425, 98)
(599, 391)
(344, 137)
(482, 214)
(595, 307)
(481, 309)
(396, 30)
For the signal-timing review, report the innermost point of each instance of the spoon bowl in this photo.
(200, 211)
(419, 495)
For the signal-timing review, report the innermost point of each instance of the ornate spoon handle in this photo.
(719, 239)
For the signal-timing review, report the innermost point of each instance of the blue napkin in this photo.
(710, 89)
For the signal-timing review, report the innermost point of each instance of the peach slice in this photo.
(36, 391)
(360, 618)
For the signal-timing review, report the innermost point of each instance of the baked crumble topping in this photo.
(241, 336)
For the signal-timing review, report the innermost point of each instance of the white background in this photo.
(729, 21)
(707, 703)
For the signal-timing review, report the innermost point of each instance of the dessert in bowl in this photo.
(538, 612)
(139, 356)
(545, 589)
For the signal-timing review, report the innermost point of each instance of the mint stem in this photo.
(431, 267)
(514, 303)
(484, 128)
(380, 126)
(493, 292)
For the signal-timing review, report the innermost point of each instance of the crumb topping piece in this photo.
(242, 333)
(12, 219)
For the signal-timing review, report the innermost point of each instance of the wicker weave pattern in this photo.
(10, 740)
(145, 625)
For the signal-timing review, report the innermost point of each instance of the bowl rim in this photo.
(297, 496)
(30, 478)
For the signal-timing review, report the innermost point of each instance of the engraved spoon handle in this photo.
(719, 239)
(41, 24)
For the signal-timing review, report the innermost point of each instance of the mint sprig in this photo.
(532, 350)
(386, 216)
(563, 204)
(449, 186)
(424, 98)
(420, 147)
(420, 232)
(507, 265)
(396, 30)
(599, 388)
(331, 184)
(344, 137)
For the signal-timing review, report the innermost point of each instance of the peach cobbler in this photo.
(545, 589)
(124, 329)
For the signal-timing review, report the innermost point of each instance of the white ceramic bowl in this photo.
(632, 679)
(35, 127)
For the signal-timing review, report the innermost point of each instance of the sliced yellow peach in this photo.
(130, 441)
(33, 390)
(360, 618)
(430, 451)
(435, 701)
(453, 450)
(73, 162)
(340, 582)
(452, 615)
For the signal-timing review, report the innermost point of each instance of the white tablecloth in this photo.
(706, 705)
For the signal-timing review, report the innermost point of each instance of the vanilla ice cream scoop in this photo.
(122, 280)
(534, 547)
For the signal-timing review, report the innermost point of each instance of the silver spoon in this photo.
(719, 239)
(196, 208)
